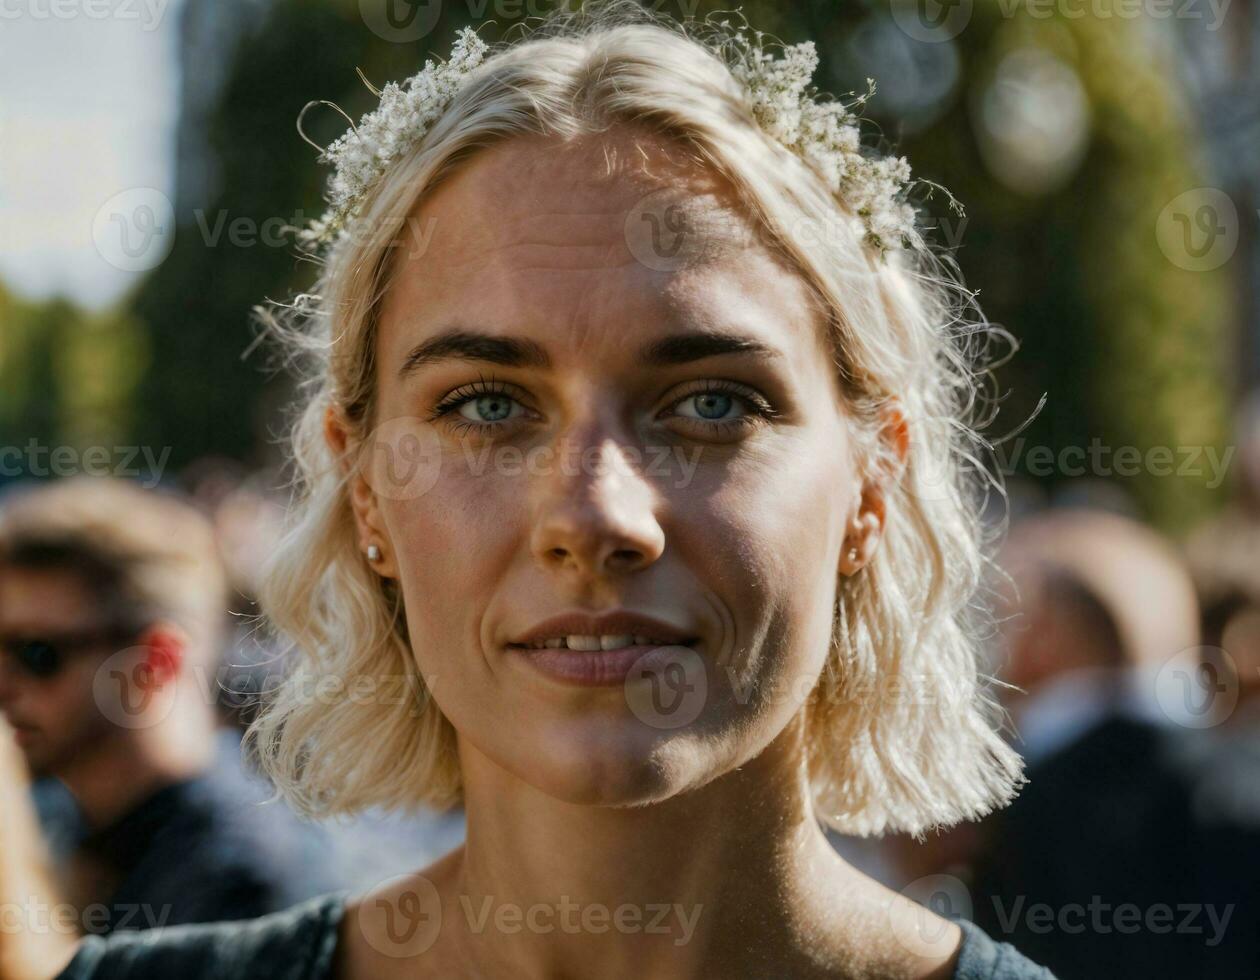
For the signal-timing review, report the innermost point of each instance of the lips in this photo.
(611, 624)
(599, 668)
(609, 648)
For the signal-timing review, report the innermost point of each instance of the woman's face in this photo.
(652, 425)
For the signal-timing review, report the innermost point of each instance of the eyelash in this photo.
(760, 410)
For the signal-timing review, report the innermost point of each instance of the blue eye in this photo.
(489, 408)
(711, 405)
(713, 401)
(485, 405)
(482, 406)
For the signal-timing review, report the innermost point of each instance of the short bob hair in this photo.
(902, 728)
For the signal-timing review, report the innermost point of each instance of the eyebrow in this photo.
(470, 345)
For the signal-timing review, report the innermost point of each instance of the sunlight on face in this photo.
(654, 425)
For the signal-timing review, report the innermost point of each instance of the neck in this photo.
(128, 766)
(733, 879)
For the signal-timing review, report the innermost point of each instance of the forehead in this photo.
(39, 597)
(615, 230)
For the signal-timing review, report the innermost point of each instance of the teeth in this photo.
(590, 643)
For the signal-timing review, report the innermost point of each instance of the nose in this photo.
(597, 515)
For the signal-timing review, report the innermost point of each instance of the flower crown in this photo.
(825, 134)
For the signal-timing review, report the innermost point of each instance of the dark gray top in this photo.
(299, 943)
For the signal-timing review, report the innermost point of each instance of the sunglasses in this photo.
(43, 657)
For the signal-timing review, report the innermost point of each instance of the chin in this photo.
(600, 766)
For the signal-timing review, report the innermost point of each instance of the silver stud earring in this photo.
(373, 553)
(853, 554)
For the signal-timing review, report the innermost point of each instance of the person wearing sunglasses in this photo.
(44, 656)
(112, 609)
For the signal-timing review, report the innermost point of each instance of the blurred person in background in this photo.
(1100, 609)
(1224, 556)
(247, 515)
(112, 608)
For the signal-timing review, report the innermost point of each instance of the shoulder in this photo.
(295, 944)
(982, 958)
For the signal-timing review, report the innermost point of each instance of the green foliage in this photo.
(68, 377)
(1128, 347)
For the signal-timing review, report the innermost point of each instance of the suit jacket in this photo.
(1109, 864)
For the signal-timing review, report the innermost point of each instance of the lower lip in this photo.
(596, 668)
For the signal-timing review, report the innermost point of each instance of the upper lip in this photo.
(616, 623)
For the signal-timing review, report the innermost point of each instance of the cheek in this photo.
(772, 534)
(784, 510)
(451, 546)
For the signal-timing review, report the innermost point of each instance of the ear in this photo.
(165, 650)
(866, 524)
(364, 503)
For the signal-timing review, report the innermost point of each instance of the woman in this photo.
(632, 519)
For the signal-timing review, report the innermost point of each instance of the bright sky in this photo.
(88, 103)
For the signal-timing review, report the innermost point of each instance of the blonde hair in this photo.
(901, 728)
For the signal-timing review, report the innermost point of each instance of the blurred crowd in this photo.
(134, 660)
(1129, 669)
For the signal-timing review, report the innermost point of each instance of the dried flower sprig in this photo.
(361, 155)
(827, 135)
(824, 133)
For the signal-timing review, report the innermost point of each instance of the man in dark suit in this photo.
(1108, 864)
(112, 602)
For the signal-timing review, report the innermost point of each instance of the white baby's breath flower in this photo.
(824, 133)
(406, 112)
(827, 135)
